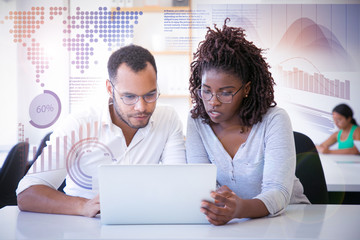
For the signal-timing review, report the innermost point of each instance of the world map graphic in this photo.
(81, 31)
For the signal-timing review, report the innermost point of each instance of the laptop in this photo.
(155, 194)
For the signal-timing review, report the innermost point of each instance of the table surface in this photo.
(298, 222)
(342, 172)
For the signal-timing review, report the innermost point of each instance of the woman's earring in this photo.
(246, 95)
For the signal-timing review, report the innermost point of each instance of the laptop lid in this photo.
(155, 194)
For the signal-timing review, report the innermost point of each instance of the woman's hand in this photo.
(322, 149)
(226, 207)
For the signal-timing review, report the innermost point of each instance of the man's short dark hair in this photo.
(134, 56)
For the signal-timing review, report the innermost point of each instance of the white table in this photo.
(298, 222)
(342, 172)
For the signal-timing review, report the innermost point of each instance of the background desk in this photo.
(342, 174)
(298, 222)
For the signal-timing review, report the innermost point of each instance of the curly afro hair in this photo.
(227, 50)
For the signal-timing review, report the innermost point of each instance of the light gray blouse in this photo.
(263, 167)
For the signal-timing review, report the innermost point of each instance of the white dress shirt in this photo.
(88, 139)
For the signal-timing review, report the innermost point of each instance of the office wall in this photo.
(58, 64)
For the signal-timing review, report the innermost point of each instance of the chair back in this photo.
(39, 150)
(12, 171)
(309, 170)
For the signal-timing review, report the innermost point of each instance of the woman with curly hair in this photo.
(235, 124)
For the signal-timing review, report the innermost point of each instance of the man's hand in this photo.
(91, 207)
(41, 198)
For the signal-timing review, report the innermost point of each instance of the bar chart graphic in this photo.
(68, 152)
(21, 135)
(313, 82)
(49, 160)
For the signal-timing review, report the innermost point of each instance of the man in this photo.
(128, 129)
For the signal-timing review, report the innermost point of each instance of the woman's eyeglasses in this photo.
(223, 97)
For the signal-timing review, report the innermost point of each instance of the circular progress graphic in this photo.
(76, 155)
(44, 109)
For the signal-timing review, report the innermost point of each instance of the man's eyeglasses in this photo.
(223, 97)
(131, 99)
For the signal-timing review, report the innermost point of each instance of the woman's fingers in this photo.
(215, 216)
(224, 208)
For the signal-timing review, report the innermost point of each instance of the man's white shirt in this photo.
(89, 138)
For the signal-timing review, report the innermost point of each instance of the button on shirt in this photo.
(88, 139)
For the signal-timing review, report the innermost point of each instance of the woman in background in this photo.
(236, 125)
(348, 132)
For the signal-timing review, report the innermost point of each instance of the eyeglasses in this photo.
(131, 99)
(223, 97)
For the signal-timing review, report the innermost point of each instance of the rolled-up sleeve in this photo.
(279, 163)
(51, 179)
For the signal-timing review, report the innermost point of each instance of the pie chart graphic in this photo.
(44, 109)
